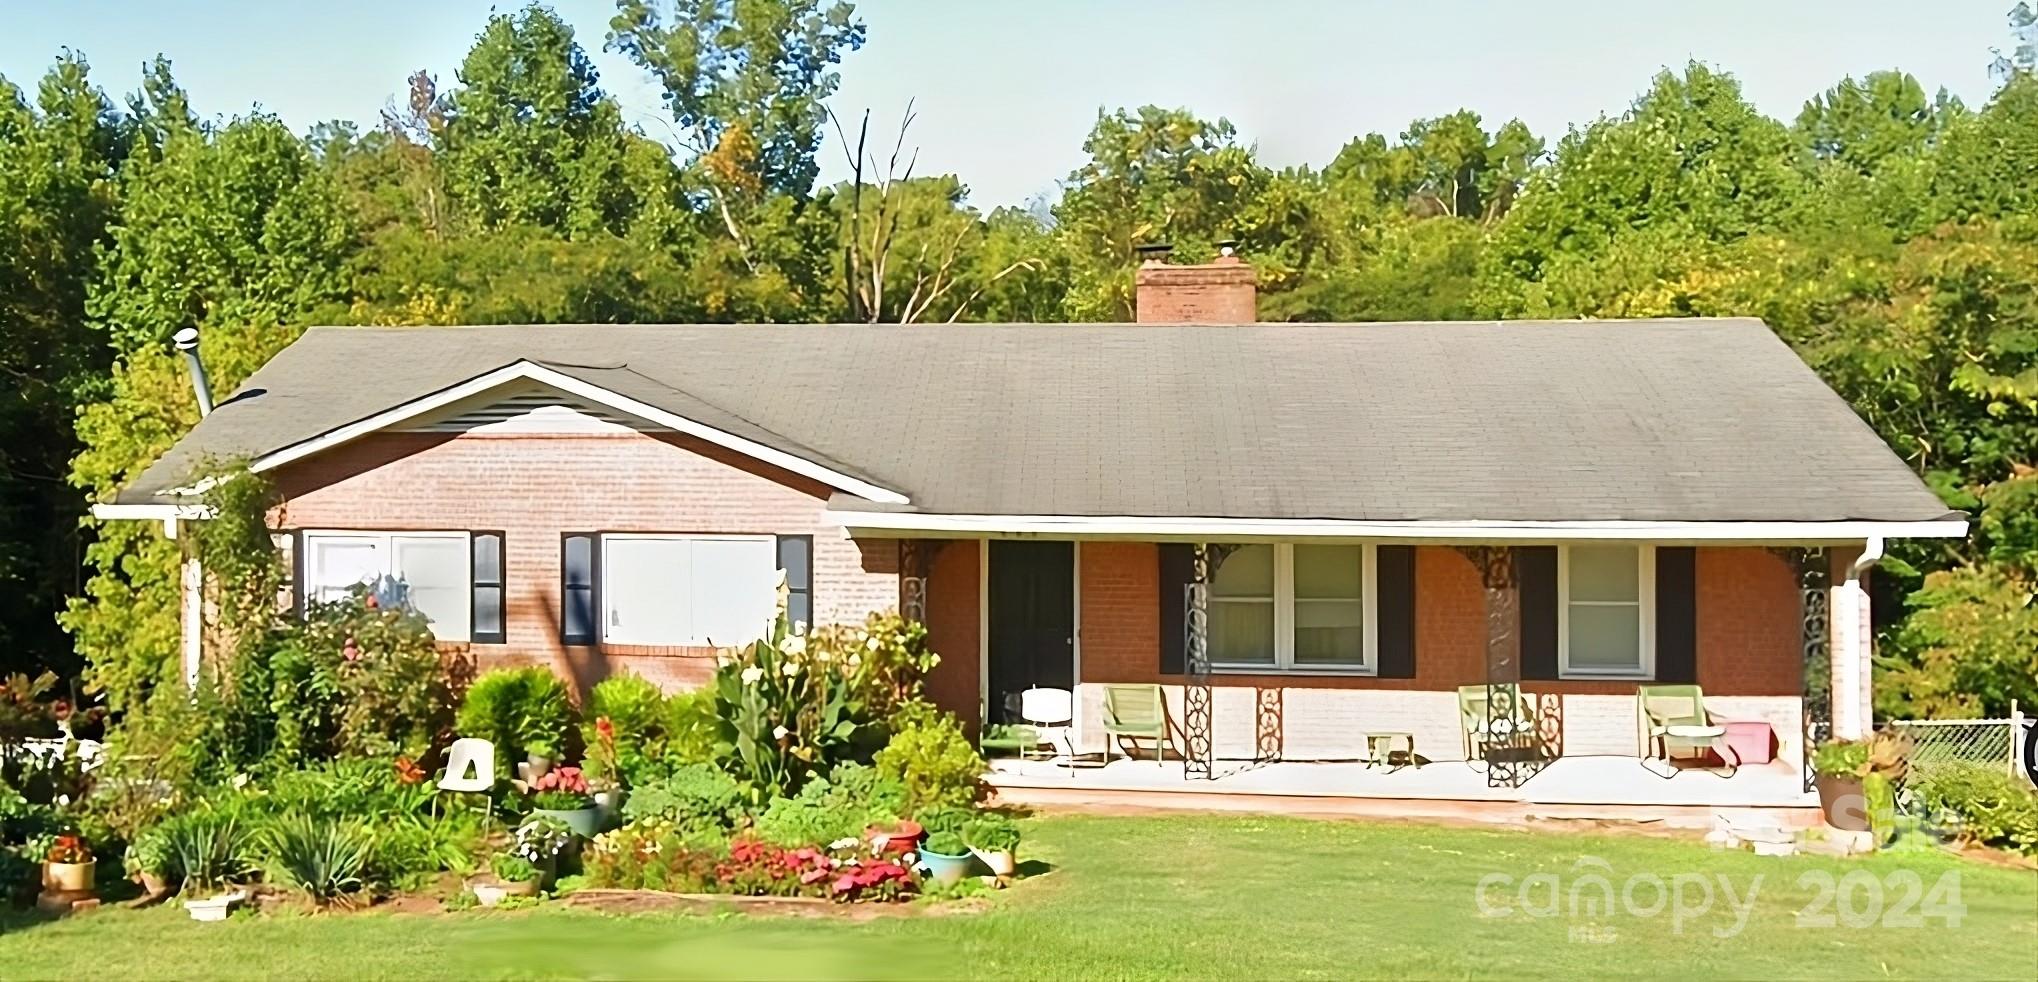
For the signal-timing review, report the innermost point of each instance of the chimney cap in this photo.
(1153, 251)
(1227, 247)
(186, 338)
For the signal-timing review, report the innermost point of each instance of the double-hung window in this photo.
(1288, 607)
(690, 590)
(1604, 611)
(430, 571)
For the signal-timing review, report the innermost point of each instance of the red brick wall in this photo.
(1222, 292)
(534, 487)
(954, 629)
(1121, 621)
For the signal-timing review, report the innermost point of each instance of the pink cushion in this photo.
(1751, 740)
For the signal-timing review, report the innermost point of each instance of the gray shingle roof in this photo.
(1669, 420)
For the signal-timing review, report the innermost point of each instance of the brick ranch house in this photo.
(1299, 531)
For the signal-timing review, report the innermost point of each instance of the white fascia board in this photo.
(108, 512)
(398, 415)
(1193, 529)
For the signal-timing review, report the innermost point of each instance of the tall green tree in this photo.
(59, 152)
(236, 231)
(529, 138)
(1861, 123)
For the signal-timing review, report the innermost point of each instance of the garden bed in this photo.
(645, 901)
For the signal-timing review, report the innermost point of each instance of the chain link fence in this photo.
(1939, 742)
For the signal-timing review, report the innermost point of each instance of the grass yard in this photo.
(1173, 896)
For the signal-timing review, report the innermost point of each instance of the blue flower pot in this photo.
(944, 869)
(585, 821)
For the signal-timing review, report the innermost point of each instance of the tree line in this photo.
(1887, 232)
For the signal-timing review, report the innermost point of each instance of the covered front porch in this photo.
(1593, 787)
(1418, 632)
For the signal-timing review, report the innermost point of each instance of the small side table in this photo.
(1752, 740)
(1382, 746)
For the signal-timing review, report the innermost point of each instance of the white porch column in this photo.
(190, 607)
(1853, 642)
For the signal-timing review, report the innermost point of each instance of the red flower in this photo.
(408, 772)
(605, 729)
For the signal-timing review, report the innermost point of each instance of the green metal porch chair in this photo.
(1135, 712)
(1514, 728)
(1670, 718)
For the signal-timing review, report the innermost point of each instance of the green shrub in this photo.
(523, 711)
(637, 717)
(935, 761)
(410, 850)
(212, 848)
(691, 727)
(944, 818)
(1991, 807)
(992, 833)
(691, 795)
(828, 809)
(322, 857)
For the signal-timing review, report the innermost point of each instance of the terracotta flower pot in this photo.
(1842, 800)
(69, 877)
(900, 837)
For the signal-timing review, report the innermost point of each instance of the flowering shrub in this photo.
(69, 849)
(541, 839)
(654, 854)
(934, 759)
(884, 659)
(625, 730)
(783, 712)
(844, 871)
(379, 666)
(561, 789)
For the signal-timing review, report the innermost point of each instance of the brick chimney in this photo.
(1222, 291)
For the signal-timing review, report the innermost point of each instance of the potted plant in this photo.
(894, 838)
(1856, 779)
(562, 793)
(515, 876)
(994, 839)
(148, 862)
(68, 867)
(540, 840)
(944, 856)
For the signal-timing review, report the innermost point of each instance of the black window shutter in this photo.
(579, 575)
(1677, 614)
(1395, 593)
(1536, 574)
(796, 557)
(1177, 568)
(485, 576)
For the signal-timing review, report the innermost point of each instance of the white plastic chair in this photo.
(470, 769)
(1049, 712)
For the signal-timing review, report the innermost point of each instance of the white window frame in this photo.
(386, 549)
(1284, 617)
(1645, 584)
(606, 571)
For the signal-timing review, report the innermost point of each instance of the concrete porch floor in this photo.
(1616, 788)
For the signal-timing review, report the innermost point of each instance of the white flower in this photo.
(790, 669)
(873, 644)
(779, 732)
(752, 674)
(800, 628)
(854, 661)
(794, 645)
(240, 781)
(849, 842)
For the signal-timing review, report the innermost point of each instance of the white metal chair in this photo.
(470, 769)
(1049, 712)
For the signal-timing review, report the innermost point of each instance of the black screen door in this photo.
(1032, 615)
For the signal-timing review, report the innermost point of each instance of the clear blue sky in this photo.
(1007, 90)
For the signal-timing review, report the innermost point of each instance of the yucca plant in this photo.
(324, 858)
(211, 849)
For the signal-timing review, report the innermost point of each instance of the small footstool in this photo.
(1382, 746)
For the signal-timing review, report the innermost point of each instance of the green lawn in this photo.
(1202, 896)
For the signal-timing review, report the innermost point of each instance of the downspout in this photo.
(1852, 710)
